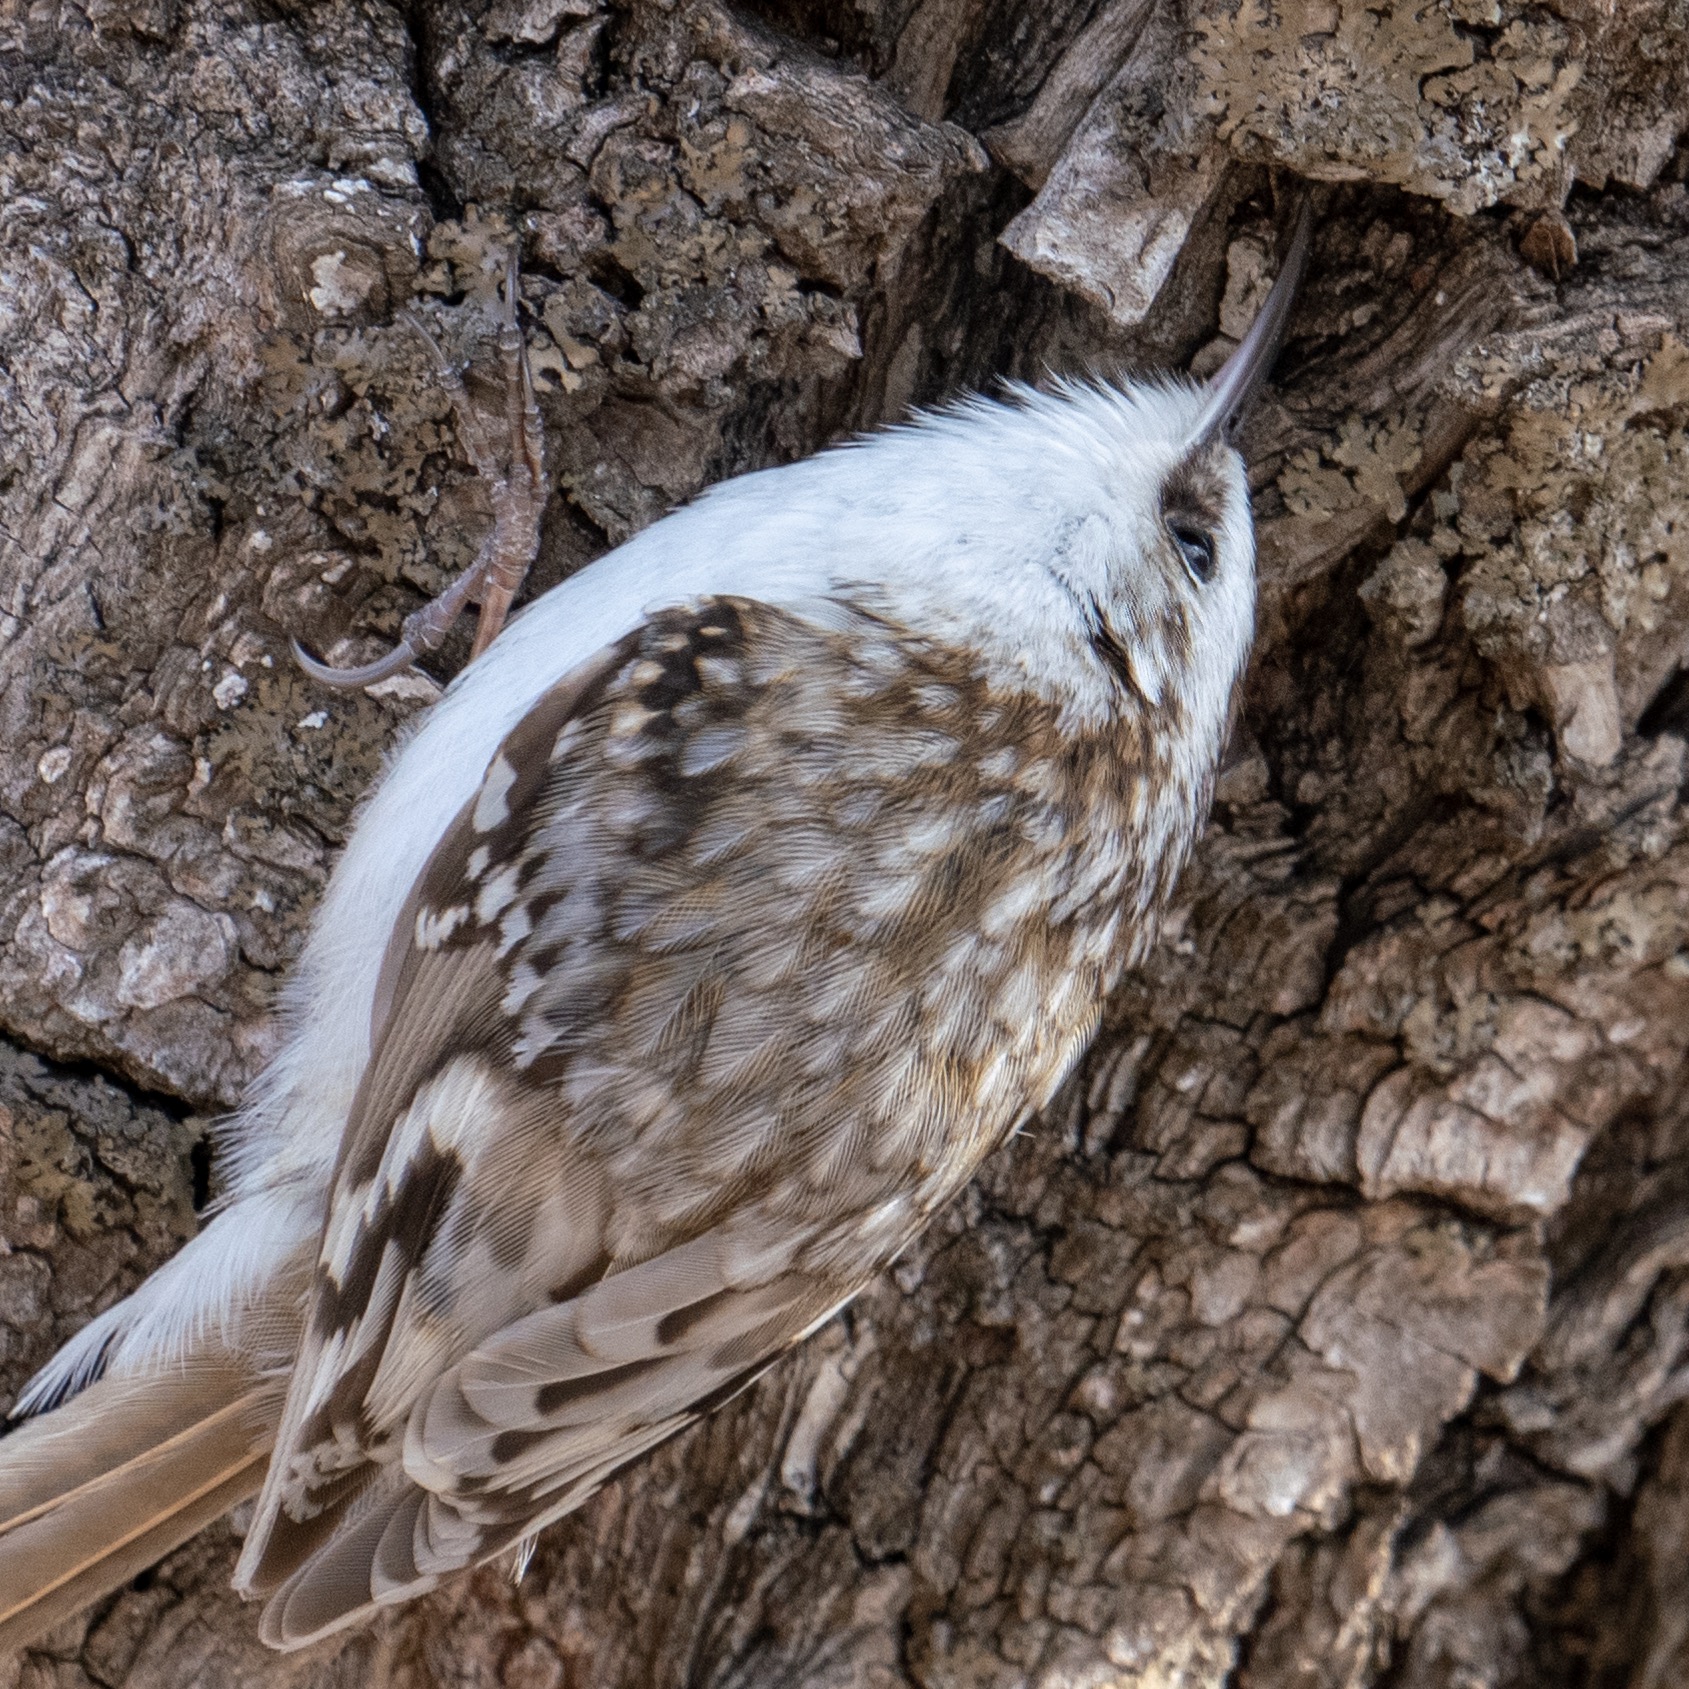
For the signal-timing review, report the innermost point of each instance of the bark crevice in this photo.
(1333, 1329)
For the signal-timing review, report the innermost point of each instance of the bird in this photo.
(736, 900)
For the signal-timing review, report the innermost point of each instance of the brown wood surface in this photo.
(1330, 1331)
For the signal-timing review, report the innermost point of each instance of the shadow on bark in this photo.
(1332, 1330)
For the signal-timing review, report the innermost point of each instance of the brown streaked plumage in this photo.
(728, 963)
(712, 929)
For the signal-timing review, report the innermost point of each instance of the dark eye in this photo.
(1196, 547)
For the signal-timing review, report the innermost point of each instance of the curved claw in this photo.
(426, 335)
(508, 549)
(395, 662)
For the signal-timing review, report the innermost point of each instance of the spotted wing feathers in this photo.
(723, 980)
(526, 1427)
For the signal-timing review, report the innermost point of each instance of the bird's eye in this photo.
(1196, 547)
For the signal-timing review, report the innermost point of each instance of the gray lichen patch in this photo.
(1464, 101)
(1332, 1328)
(1362, 468)
(1582, 601)
(233, 438)
(1470, 103)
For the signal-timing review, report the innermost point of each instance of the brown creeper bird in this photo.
(748, 890)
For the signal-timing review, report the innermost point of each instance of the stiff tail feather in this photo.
(94, 1492)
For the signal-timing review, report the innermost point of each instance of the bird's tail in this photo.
(94, 1492)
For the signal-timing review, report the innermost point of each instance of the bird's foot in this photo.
(517, 487)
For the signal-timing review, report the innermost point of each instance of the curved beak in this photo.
(1235, 383)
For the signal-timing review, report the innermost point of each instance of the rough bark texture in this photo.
(1331, 1331)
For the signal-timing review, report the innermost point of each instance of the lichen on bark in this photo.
(1332, 1327)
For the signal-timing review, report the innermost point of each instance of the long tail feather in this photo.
(96, 1491)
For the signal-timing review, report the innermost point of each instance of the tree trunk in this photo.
(1330, 1331)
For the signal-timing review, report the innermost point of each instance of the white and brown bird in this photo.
(749, 889)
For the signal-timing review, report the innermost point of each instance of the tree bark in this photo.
(1331, 1330)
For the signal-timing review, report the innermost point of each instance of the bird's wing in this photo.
(686, 1027)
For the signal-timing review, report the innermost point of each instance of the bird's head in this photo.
(1161, 562)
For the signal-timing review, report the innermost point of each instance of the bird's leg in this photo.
(519, 499)
(517, 490)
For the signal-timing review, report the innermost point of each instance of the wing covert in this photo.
(719, 984)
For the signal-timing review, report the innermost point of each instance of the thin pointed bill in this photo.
(1236, 381)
